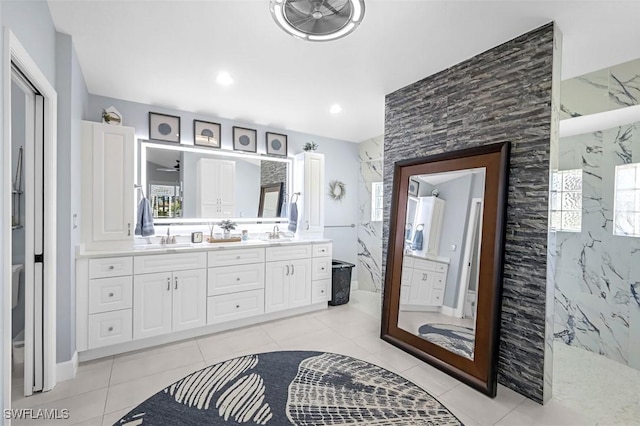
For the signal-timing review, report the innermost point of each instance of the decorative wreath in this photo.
(337, 190)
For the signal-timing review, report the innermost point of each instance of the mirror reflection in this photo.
(441, 258)
(189, 183)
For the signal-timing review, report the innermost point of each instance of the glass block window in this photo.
(566, 201)
(626, 216)
(376, 201)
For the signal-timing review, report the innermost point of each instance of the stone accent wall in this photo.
(503, 94)
(273, 172)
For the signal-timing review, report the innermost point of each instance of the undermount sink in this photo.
(276, 240)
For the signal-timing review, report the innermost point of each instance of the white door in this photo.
(207, 188)
(189, 299)
(300, 283)
(152, 304)
(113, 166)
(276, 290)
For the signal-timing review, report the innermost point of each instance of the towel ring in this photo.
(295, 194)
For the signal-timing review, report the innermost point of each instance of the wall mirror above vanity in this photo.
(186, 183)
(444, 265)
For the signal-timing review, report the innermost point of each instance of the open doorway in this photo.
(29, 221)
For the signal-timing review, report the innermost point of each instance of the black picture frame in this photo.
(245, 139)
(207, 133)
(414, 187)
(277, 144)
(164, 127)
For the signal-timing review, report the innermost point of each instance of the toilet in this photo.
(15, 282)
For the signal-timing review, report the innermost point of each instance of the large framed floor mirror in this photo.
(443, 279)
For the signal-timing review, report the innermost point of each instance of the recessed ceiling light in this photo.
(335, 109)
(224, 78)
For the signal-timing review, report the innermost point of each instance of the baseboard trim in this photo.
(448, 311)
(354, 285)
(67, 370)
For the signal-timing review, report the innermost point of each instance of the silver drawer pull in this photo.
(322, 250)
(110, 329)
(176, 283)
(292, 270)
(237, 257)
(168, 283)
(110, 294)
(321, 291)
(237, 306)
(287, 270)
(111, 267)
(238, 279)
(322, 269)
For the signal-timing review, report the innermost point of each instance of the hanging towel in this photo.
(293, 216)
(418, 238)
(144, 225)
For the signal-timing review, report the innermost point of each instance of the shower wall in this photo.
(597, 275)
(369, 232)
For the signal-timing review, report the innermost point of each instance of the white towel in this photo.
(144, 225)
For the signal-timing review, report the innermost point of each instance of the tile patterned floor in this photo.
(106, 389)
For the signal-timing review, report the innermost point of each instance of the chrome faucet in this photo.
(275, 233)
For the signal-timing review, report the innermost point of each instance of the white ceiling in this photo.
(167, 53)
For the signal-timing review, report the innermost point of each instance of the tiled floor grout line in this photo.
(510, 411)
(104, 409)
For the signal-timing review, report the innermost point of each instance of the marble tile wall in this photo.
(369, 232)
(603, 90)
(503, 94)
(597, 274)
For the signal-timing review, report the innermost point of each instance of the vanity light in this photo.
(224, 78)
(335, 109)
(315, 20)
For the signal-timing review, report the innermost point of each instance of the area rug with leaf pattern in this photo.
(456, 338)
(291, 388)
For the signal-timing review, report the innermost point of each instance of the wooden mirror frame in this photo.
(264, 189)
(481, 371)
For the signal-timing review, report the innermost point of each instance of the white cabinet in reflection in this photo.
(423, 282)
(215, 188)
(309, 182)
(424, 215)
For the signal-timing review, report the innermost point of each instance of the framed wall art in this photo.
(206, 133)
(163, 127)
(276, 144)
(244, 139)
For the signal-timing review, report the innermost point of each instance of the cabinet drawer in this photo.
(436, 296)
(169, 262)
(231, 279)
(110, 328)
(110, 267)
(288, 252)
(441, 267)
(235, 257)
(234, 306)
(321, 250)
(407, 262)
(110, 294)
(425, 265)
(321, 268)
(320, 291)
(438, 280)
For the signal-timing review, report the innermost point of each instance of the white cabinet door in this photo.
(107, 185)
(421, 283)
(300, 283)
(152, 304)
(215, 188)
(309, 181)
(277, 286)
(189, 299)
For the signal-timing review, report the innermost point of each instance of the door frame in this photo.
(475, 222)
(13, 51)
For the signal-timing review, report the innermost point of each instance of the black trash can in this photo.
(340, 282)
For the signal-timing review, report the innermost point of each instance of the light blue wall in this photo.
(72, 103)
(341, 161)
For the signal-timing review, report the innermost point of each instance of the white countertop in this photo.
(141, 250)
(430, 257)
